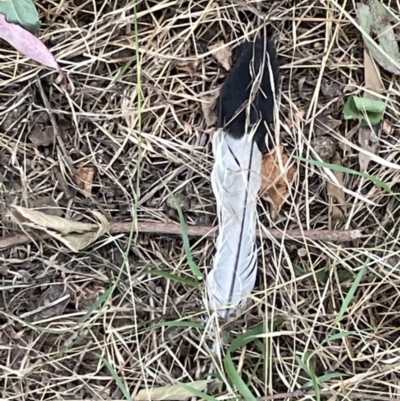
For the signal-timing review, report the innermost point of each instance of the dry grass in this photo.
(336, 309)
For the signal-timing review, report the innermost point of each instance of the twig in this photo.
(347, 395)
(201, 231)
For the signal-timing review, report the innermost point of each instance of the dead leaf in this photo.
(188, 66)
(222, 53)
(338, 212)
(330, 89)
(324, 124)
(53, 302)
(42, 137)
(84, 179)
(208, 106)
(275, 182)
(47, 205)
(26, 43)
(172, 392)
(374, 17)
(73, 234)
(366, 136)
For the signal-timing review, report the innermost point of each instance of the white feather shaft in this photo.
(236, 180)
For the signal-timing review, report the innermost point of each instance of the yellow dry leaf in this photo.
(222, 53)
(339, 211)
(276, 179)
(74, 234)
(172, 392)
(84, 179)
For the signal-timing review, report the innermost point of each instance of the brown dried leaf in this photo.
(324, 124)
(172, 392)
(42, 137)
(222, 54)
(330, 89)
(84, 179)
(49, 306)
(367, 137)
(208, 106)
(338, 211)
(276, 182)
(75, 235)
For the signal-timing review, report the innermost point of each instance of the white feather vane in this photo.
(236, 180)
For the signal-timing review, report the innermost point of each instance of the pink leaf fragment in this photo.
(26, 43)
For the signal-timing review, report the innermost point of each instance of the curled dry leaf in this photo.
(84, 179)
(330, 89)
(323, 124)
(173, 392)
(222, 53)
(74, 234)
(26, 43)
(275, 181)
(208, 106)
(338, 211)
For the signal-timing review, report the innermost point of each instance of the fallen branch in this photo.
(200, 231)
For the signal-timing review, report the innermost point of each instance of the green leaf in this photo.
(368, 111)
(369, 105)
(21, 12)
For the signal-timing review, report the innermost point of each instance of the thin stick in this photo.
(200, 231)
(349, 394)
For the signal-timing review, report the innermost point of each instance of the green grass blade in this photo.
(100, 300)
(351, 293)
(174, 277)
(185, 237)
(309, 369)
(230, 368)
(195, 392)
(117, 379)
(347, 170)
(338, 336)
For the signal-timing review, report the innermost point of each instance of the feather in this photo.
(245, 109)
(235, 181)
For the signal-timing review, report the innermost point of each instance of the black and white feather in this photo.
(246, 111)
